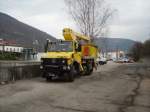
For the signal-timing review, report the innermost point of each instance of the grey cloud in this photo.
(31, 7)
(133, 17)
(132, 21)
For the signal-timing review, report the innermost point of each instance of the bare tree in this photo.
(104, 34)
(146, 48)
(136, 51)
(91, 16)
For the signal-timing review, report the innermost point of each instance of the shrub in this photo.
(8, 56)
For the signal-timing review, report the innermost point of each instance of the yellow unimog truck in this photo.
(68, 58)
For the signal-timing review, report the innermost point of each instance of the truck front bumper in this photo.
(54, 69)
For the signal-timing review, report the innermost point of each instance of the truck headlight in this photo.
(63, 61)
(41, 67)
(68, 67)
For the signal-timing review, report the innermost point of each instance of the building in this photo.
(115, 55)
(14, 49)
(1, 41)
(10, 46)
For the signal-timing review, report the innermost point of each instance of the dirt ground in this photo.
(112, 88)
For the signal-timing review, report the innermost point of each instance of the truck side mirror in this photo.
(46, 45)
(77, 47)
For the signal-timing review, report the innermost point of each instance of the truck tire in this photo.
(48, 79)
(70, 76)
(88, 71)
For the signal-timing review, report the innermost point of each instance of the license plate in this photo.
(51, 74)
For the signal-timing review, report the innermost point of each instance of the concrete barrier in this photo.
(17, 70)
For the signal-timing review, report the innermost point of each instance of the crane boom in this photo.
(69, 34)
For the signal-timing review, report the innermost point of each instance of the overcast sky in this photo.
(132, 19)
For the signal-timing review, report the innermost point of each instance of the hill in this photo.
(23, 34)
(112, 44)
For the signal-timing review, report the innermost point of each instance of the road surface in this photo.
(112, 88)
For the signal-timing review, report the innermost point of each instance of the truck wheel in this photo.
(70, 76)
(88, 71)
(48, 79)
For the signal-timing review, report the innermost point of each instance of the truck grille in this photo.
(54, 61)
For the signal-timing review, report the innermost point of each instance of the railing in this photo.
(17, 70)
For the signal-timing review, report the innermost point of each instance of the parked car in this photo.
(97, 60)
(114, 59)
(125, 60)
(102, 61)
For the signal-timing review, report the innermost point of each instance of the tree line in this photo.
(140, 50)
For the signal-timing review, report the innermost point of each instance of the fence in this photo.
(17, 70)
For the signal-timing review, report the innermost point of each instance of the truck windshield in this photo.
(62, 46)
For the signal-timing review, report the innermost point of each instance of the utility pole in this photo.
(117, 53)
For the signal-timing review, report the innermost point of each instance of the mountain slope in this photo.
(112, 44)
(23, 34)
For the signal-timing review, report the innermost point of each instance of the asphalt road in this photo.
(112, 88)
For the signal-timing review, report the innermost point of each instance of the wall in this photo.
(17, 70)
(1, 47)
(13, 49)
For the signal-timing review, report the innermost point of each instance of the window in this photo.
(62, 46)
